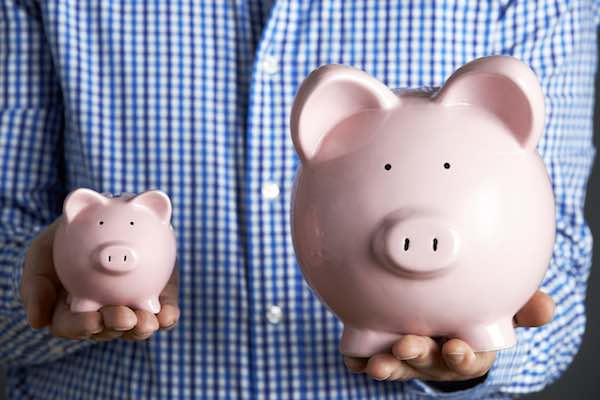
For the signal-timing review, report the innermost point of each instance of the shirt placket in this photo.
(268, 185)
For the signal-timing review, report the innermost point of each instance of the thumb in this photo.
(39, 282)
(170, 312)
(538, 311)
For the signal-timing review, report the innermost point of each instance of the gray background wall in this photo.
(582, 380)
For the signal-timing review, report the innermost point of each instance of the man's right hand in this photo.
(44, 299)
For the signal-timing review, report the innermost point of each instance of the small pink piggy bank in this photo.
(115, 250)
(422, 212)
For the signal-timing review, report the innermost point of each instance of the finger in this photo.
(460, 358)
(383, 366)
(39, 283)
(170, 294)
(147, 324)
(118, 318)
(135, 337)
(355, 364)
(168, 316)
(38, 258)
(404, 373)
(39, 296)
(71, 325)
(169, 301)
(417, 351)
(538, 311)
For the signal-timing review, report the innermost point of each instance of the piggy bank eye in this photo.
(100, 222)
(387, 167)
(130, 222)
(447, 165)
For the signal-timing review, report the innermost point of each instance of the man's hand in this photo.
(44, 299)
(424, 358)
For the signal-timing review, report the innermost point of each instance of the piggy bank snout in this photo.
(116, 257)
(418, 246)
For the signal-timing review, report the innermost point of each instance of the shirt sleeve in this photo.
(31, 190)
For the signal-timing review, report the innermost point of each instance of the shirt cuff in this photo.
(508, 363)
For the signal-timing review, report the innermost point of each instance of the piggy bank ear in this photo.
(326, 97)
(504, 86)
(156, 201)
(80, 199)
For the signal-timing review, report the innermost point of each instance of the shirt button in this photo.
(270, 190)
(56, 350)
(270, 65)
(274, 314)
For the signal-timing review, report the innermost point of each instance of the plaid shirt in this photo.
(193, 97)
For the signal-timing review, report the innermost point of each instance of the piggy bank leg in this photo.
(151, 305)
(358, 342)
(79, 304)
(490, 337)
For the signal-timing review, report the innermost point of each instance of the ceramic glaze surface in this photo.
(422, 212)
(115, 250)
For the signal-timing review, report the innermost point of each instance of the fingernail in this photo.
(169, 327)
(33, 318)
(29, 315)
(382, 379)
(405, 358)
(126, 326)
(456, 358)
(97, 330)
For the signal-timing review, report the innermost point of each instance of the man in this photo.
(193, 97)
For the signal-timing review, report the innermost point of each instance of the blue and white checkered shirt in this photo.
(193, 97)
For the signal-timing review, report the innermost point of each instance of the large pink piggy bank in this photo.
(422, 212)
(115, 250)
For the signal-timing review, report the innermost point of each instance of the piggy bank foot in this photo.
(358, 342)
(79, 304)
(490, 337)
(151, 305)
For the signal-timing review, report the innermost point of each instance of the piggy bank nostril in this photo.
(109, 258)
(124, 258)
(417, 245)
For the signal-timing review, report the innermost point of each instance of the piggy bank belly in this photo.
(473, 298)
(91, 286)
(93, 289)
